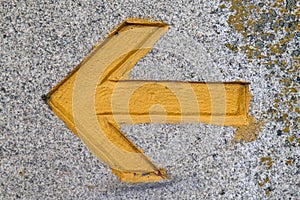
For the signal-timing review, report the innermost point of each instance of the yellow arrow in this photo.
(95, 98)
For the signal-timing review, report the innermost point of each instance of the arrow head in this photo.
(73, 98)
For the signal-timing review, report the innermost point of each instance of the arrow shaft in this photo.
(173, 102)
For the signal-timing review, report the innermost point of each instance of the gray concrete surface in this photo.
(40, 158)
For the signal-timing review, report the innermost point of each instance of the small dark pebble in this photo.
(222, 192)
(44, 98)
(250, 37)
(279, 133)
(296, 53)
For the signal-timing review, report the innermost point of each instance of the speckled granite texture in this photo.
(255, 41)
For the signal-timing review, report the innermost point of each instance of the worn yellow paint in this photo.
(289, 162)
(266, 180)
(268, 161)
(248, 133)
(95, 98)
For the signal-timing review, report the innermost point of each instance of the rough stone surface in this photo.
(42, 41)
